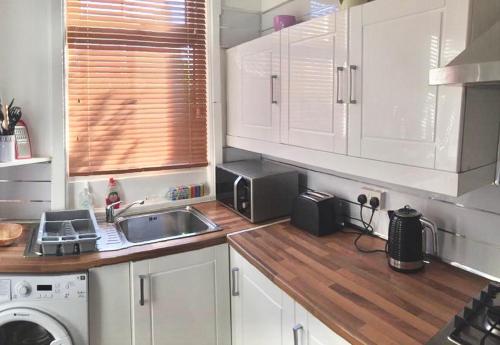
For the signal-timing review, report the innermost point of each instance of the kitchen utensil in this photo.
(317, 213)
(9, 117)
(23, 143)
(15, 114)
(5, 121)
(7, 148)
(407, 239)
(283, 21)
(9, 233)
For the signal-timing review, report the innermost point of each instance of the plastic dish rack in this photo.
(68, 232)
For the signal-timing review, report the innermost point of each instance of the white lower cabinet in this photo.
(263, 314)
(182, 299)
(308, 330)
(109, 305)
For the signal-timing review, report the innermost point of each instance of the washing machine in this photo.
(44, 309)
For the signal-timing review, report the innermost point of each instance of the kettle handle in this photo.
(432, 227)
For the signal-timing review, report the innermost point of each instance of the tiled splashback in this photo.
(469, 225)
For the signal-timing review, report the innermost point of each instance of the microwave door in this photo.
(225, 187)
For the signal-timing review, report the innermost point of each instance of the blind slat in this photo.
(137, 85)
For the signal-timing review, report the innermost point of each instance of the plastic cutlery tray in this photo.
(67, 232)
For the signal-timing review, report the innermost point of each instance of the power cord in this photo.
(368, 228)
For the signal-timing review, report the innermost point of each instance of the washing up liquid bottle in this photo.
(85, 197)
(113, 193)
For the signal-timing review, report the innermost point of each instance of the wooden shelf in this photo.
(19, 162)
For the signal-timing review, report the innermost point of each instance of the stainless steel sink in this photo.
(165, 225)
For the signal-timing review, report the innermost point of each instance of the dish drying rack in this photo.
(67, 232)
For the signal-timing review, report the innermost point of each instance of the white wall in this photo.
(26, 65)
(301, 9)
(469, 226)
(30, 72)
(270, 4)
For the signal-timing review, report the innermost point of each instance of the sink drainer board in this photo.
(67, 232)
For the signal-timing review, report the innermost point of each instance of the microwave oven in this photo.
(257, 190)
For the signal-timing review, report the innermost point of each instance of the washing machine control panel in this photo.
(43, 287)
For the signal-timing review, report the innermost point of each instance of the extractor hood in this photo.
(478, 64)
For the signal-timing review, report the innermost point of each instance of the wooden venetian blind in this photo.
(136, 85)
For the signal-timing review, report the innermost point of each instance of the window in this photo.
(137, 86)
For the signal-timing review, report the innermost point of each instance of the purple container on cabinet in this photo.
(283, 21)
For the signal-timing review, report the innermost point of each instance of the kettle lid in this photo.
(407, 212)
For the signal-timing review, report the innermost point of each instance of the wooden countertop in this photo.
(357, 295)
(12, 259)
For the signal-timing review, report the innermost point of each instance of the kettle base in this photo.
(406, 266)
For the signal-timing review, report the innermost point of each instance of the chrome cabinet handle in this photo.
(234, 290)
(352, 68)
(273, 78)
(296, 330)
(339, 69)
(141, 283)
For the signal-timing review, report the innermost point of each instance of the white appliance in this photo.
(478, 64)
(44, 309)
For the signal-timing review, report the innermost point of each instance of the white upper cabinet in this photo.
(396, 116)
(253, 89)
(354, 95)
(313, 72)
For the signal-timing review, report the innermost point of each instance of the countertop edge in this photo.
(296, 296)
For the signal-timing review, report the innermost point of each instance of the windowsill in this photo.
(150, 186)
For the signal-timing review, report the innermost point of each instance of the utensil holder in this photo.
(7, 148)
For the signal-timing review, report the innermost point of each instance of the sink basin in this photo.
(165, 225)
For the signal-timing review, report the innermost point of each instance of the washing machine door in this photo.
(26, 326)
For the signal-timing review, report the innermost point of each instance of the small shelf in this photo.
(19, 162)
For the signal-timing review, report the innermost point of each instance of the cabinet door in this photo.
(261, 313)
(109, 305)
(311, 331)
(314, 84)
(253, 89)
(185, 299)
(395, 116)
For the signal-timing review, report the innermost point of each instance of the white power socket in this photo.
(370, 193)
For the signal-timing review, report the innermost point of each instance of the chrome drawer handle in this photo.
(141, 283)
(273, 78)
(234, 290)
(339, 69)
(352, 68)
(296, 330)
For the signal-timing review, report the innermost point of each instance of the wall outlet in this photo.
(370, 193)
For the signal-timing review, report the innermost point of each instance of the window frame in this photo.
(61, 180)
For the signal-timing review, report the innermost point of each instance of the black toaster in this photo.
(317, 213)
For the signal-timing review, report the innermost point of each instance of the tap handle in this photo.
(110, 211)
(111, 206)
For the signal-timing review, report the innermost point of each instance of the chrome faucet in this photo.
(110, 210)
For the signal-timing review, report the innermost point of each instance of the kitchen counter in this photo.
(357, 295)
(12, 258)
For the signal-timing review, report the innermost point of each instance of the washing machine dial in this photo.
(23, 289)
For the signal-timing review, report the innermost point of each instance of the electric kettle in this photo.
(407, 239)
